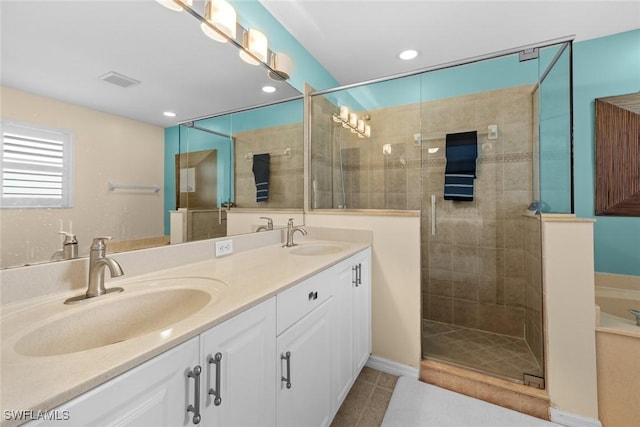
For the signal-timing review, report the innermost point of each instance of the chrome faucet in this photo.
(267, 227)
(291, 231)
(97, 263)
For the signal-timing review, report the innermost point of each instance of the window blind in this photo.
(35, 167)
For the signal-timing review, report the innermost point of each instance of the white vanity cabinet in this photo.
(361, 308)
(304, 391)
(351, 323)
(239, 364)
(155, 393)
(158, 392)
(288, 362)
(324, 340)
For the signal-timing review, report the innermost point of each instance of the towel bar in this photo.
(286, 153)
(153, 188)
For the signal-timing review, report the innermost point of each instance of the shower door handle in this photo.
(433, 214)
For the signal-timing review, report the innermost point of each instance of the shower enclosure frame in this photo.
(564, 42)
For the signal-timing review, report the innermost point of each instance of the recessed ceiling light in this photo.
(169, 114)
(408, 54)
(268, 89)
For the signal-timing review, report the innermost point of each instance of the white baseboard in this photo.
(572, 420)
(391, 367)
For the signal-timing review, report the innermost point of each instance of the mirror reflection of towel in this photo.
(261, 175)
(460, 172)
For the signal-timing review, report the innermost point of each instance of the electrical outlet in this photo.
(224, 247)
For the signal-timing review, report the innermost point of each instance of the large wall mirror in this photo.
(104, 73)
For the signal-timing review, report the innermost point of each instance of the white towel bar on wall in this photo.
(152, 188)
(286, 153)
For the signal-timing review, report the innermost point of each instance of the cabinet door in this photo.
(153, 394)
(304, 392)
(342, 371)
(240, 360)
(361, 308)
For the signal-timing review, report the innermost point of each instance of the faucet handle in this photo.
(99, 241)
(269, 222)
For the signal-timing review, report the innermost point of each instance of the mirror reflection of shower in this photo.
(356, 125)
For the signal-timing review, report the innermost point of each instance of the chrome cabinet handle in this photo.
(216, 360)
(313, 296)
(354, 275)
(359, 274)
(287, 379)
(195, 408)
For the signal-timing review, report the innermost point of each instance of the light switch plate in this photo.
(224, 247)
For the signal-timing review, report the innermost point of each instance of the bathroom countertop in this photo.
(618, 325)
(45, 382)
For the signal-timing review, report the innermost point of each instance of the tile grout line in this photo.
(369, 397)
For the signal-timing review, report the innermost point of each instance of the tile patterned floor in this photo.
(497, 354)
(367, 402)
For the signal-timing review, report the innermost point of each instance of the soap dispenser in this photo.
(69, 246)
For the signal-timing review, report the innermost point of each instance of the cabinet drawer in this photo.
(294, 303)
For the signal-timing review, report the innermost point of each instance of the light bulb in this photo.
(221, 15)
(344, 113)
(255, 42)
(281, 65)
(353, 119)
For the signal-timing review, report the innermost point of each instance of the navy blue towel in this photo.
(460, 172)
(261, 174)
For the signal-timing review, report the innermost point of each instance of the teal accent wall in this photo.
(477, 77)
(605, 66)
(554, 97)
(281, 114)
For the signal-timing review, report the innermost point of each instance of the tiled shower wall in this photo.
(473, 268)
(286, 172)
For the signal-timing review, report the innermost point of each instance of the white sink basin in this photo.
(118, 318)
(316, 249)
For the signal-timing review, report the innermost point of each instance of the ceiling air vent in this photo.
(118, 79)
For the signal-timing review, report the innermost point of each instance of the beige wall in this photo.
(106, 148)
(618, 379)
(395, 277)
(568, 274)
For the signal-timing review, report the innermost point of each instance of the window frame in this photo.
(35, 131)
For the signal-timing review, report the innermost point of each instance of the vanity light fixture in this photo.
(408, 54)
(281, 65)
(352, 122)
(268, 89)
(219, 22)
(175, 5)
(254, 47)
(222, 16)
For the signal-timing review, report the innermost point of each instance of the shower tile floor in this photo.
(501, 355)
